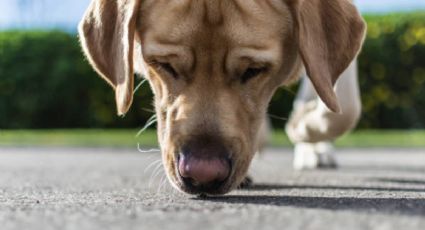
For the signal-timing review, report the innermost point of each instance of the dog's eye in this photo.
(168, 68)
(251, 73)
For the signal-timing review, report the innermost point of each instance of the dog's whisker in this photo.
(155, 174)
(162, 183)
(154, 163)
(147, 151)
(170, 188)
(157, 185)
(158, 171)
(148, 110)
(139, 85)
(167, 186)
(151, 157)
(151, 184)
(158, 189)
(149, 122)
(277, 117)
(157, 167)
(153, 117)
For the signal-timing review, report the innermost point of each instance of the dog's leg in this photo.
(305, 157)
(314, 155)
(246, 183)
(312, 127)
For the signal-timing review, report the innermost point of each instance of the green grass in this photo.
(127, 138)
(369, 138)
(76, 138)
(374, 138)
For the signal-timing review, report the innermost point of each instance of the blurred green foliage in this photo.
(392, 71)
(45, 82)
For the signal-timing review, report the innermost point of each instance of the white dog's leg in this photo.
(314, 155)
(305, 156)
(313, 127)
(325, 151)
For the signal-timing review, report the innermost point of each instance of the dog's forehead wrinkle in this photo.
(258, 55)
(213, 12)
(162, 49)
(191, 31)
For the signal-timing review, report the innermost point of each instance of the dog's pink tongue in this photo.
(204, 171)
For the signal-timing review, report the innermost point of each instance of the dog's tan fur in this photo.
(210, 44)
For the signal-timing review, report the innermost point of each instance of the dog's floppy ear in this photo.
(107, 33)
(331, 33)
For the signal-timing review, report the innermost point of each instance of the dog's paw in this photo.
(305, 157)
(314, 156)
(246, 183)
(325, 152)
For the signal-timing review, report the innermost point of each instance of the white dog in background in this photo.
(313, 127)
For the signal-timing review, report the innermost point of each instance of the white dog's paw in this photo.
(314, 155)
(325, 152)
(305, 156)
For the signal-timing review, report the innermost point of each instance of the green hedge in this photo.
(392, 72)
(46, 83)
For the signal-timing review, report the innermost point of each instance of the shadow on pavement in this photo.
(401, 181)
(265, 187)
(398, 206)
(392, 168)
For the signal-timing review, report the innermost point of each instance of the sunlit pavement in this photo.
(124, 189)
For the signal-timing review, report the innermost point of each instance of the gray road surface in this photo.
(121, 189)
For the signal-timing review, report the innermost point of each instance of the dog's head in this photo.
(213, 66)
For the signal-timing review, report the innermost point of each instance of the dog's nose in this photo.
(203, 171)
(204, 164)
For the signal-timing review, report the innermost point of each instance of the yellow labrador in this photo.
(213, 66)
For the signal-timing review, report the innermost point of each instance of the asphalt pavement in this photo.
(91, 188)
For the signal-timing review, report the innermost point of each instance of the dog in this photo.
(214, 65)
(312, 127)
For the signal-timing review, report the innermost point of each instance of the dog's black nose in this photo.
(204, 164)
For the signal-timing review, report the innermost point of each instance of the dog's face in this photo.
(213, 74)
(213, 67)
